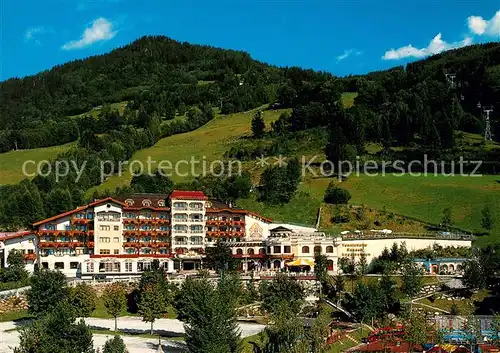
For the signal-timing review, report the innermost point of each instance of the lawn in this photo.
(422, 197)
(11, 163)
(208, 143)
(347, 343)
(100, 311)
(348, 98)
(14, 316)
(465, 307)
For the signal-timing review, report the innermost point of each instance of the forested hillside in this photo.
(167, 88)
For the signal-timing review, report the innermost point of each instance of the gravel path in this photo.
(9, 340)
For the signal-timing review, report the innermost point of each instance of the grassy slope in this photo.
(210, 141)
(11, 163)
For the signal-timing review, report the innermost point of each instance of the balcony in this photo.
(179, 230)
(81, 220)
(248, 256)
(282, 256)
(30, 257)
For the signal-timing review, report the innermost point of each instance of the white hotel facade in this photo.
(120, 238)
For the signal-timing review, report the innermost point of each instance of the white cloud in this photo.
(100, 30)
(436, 45)
(347, 53)
(477, 24)
(32, 34)
(480, 26)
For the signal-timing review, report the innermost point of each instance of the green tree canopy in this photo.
(114, 300)
(48, 289)
(83, 298)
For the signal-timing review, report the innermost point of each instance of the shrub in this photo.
(336, 195)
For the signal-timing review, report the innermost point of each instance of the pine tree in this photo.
(487, 219)
(258, 125)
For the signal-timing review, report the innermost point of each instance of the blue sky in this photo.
(343, 37)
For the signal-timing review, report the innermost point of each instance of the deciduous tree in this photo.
(152, 304)
(83, 298)
(114, 300)
(48, 289)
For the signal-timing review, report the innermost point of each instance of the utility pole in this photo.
(487, 128)
(451, 80)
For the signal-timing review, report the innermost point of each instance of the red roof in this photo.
(381, 346)
(13, 235)
(188, 195)
(78, 209)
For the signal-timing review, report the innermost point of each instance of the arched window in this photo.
(250, 251)
(239, 251)
(329, 249)
(305, 250)
(277, 264)
(262, 251)
(330, 265)
(317, 249)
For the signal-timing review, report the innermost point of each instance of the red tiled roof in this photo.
(381, 346)
(188, 195)
(13, 235)
(78, 209)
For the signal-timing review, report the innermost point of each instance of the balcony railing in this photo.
(31, 257)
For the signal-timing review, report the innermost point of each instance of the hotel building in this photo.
(121, 237)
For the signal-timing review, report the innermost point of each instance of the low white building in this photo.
(373, 244)
(21, 241)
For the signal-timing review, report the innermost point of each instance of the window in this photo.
(59, 265)
(317, 249)
(130, 251)
(90, 267)
(106, 267)
(288, 249)
(116, 251)
(239, 251)
(277, 250)
(45, 264)
(104, 239)
(116, 240)
(104, 251)
(73, 265)
(31, 251)
(128, 266)
(116, 227)
(143, 266)
(108, 216)
(250, 251)
(305, 250)
(329, 249)
(104, 228)
(116, 267)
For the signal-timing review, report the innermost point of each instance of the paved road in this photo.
(9, 340)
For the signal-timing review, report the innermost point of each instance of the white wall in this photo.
(23, 244)
(374, 247)
(255, 228)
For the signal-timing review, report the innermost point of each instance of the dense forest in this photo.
(417, 107)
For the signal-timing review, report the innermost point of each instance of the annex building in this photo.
(120, 237)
